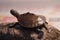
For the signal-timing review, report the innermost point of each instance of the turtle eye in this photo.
(40, 21)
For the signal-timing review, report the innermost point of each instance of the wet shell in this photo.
(28, 20)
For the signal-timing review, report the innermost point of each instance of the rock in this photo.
(53, 34)
(19, 33)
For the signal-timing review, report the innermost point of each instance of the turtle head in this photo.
(14, 13)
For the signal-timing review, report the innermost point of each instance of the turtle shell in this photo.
(31, 20)
(28, 20)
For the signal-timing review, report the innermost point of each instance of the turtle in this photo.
(30, 20)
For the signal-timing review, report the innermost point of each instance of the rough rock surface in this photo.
(17, 33)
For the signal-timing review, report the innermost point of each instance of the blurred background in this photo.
(49, 8)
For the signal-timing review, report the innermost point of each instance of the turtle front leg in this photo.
(45, 25)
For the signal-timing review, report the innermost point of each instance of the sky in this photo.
(48, 8)
(20, 5)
